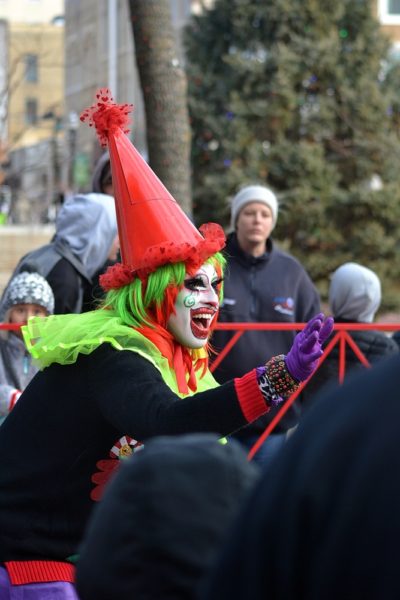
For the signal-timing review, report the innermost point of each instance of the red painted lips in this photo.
(200, 321)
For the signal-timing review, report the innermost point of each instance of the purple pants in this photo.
(57, 590)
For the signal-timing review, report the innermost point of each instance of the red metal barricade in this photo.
(340, 336)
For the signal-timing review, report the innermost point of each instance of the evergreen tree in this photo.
(294, 94)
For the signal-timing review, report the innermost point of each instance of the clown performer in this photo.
(114, 377)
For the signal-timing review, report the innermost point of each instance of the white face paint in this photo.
(196, 308)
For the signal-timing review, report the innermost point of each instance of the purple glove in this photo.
(302, 359)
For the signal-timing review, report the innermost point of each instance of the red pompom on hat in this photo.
(153, 229)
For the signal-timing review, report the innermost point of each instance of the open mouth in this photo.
(200, 322)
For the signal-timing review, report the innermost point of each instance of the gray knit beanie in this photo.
(254, 193)
(28, 288)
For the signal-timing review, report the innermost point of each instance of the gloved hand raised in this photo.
(302, 359)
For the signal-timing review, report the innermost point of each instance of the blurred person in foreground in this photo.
(28, 295)
(117, 376)
(324, 523)
(262, 284)
(184, 493)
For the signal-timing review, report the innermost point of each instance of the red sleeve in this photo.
(250, 397)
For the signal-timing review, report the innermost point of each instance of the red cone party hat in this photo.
(153, 229)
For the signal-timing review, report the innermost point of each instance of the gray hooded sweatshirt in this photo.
(86, 227)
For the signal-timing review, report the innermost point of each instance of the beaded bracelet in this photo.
(279, 376)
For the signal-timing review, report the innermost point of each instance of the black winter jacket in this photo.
(271, 288)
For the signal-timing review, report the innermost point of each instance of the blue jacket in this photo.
(271, 288)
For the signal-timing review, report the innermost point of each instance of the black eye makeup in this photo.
(216, 284)
(195, 284)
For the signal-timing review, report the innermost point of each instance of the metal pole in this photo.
(112, 47)
(73, 124)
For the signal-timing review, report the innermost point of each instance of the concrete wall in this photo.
(15, 241)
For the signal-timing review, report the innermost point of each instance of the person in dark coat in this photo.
(354, 297)
(102, 176)
(163, 518)
(101, 184)
(325, 522)
(262, 284)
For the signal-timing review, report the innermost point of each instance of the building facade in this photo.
(31, 108)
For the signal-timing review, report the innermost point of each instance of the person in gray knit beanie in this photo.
(29, 288)
(262, 283)
(254, 193)
(28, 294)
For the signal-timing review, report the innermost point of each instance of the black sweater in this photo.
(55, 446)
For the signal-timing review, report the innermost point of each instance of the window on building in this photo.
(31, 111)
(31, 68)
(389, 11)
(394, 7)
(58, 20)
